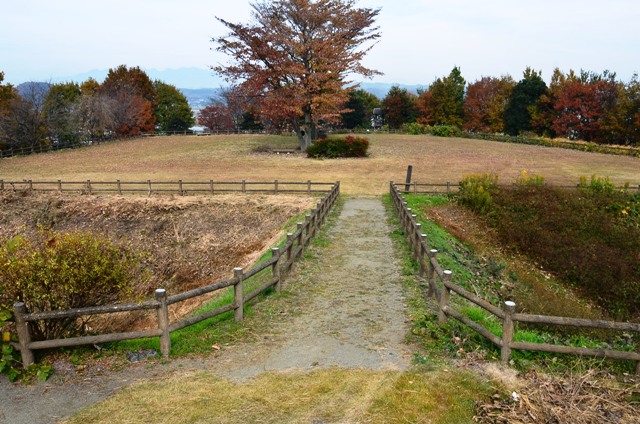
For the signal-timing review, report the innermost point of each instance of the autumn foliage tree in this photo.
(443, 102)
(485, 102)
(133, 99)
(293, 59)
(399, 107)
(582, 104)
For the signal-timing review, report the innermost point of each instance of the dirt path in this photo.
(346, 309)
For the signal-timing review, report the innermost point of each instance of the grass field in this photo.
(231, 158)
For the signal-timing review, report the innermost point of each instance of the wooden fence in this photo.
(166, 187)
(416, 187)
(280, 263)
(441, 287)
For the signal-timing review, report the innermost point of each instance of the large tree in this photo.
(399, 107)
(582, 105)
(524, 96)
(61, 110)
(485, 102)
(7, 96)
(443, 102)
(172, 110)
(295, 56)
(360, 109)
(133, 98)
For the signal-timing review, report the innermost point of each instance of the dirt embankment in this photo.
(190, 241)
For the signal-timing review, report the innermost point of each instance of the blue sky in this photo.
(421, 39)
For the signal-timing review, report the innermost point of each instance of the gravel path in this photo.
(349, 312)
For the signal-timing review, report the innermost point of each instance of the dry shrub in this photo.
(587, 399)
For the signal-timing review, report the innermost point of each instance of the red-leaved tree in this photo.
(293, 59)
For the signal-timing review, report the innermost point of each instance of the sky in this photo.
(44, 40)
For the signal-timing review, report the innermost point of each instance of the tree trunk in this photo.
(305, 132)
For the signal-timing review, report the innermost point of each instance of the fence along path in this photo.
(440, 287)
(279, 265)
(165, 187)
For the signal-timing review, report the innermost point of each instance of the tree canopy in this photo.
(171, 110)
(293, 59)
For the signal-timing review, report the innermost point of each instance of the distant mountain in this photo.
(380, 89)
(35, 91)
(199, 98)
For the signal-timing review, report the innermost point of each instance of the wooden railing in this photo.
(440, 287)
(157, 187)
(415, 187)
(280, 264)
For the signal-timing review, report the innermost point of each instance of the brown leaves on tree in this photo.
(294, 58)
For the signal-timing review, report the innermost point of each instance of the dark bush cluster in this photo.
(348, 147)
(589, 237)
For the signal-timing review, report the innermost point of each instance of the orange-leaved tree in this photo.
(295, 56)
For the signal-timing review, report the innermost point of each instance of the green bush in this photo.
(446, 131)
(348, 147)
(54, 271)
(415, 128)
(476, 191)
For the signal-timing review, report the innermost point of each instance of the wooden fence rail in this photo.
(279, 264)
(448, 187)
(175, 187)
(440, 287)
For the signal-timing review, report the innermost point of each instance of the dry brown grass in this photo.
(231, 158)
(323, 396)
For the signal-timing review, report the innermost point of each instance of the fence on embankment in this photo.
(166, 187)
(440, 287)
(278, 265)
(446, 188)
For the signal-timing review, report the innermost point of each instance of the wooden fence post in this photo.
(89, 187)
(418, 235)
(444, 298)
(307, 223)
(432, 273)
(24, 336)
(407, 186)
(299, 227)
(275, 186)
(149, 187)
(2, 184)
(163, 322)
(275, 268)
(180, 188)
(238, 294)
(59, 186)
(290, 242)
(308, 186)
(507, 331)
(244, 186)
(119, 187)
(423, 257)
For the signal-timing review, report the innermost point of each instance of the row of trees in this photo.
(586, 106)
(64, 114)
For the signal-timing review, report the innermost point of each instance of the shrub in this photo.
(54, 271)
(446, 131)
(529, 181)
(348, 147)
(415, 128)
(476, 191)
(597, 185)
